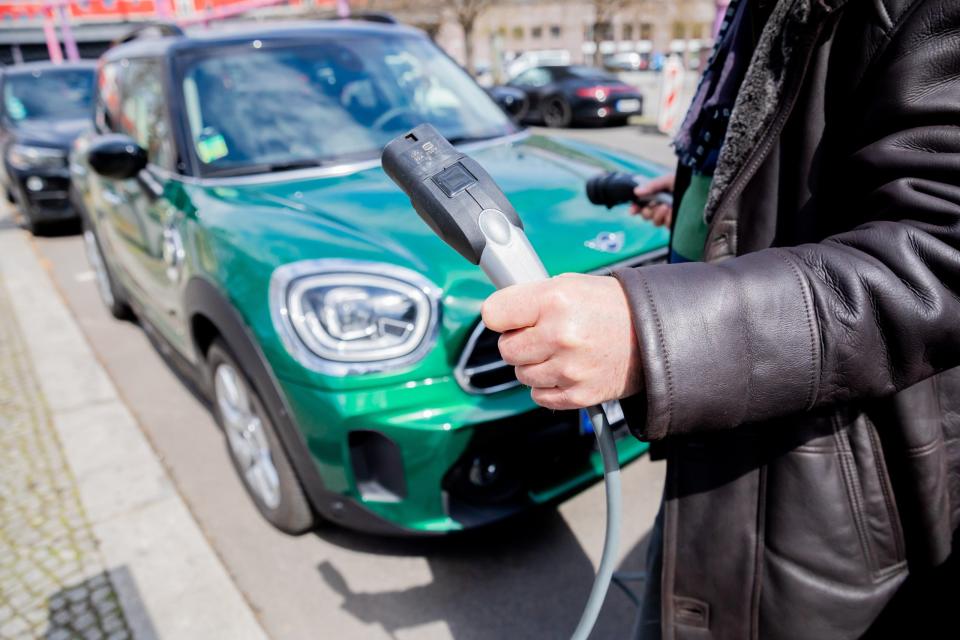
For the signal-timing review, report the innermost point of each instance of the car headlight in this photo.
(24, 157)
(346, 317)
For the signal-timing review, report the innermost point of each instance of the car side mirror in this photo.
(512, 101)
(116, 156)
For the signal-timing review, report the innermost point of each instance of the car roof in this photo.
(227, 33)
(30, 67)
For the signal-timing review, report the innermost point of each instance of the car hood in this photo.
(51, 133)
(363, 215)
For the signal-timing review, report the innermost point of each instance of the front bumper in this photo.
(419, 456)
(42, 195)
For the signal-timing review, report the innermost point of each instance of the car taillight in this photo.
(601, 92)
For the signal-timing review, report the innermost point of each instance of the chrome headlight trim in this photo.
(290, 282)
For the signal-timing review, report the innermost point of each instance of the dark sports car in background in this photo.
(561, 95)
(44, 108)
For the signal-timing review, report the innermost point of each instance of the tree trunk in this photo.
(468, 46)
(597, 39)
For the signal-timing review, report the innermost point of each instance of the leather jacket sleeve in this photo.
(859, 315)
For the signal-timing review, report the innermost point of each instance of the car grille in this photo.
(480, 368)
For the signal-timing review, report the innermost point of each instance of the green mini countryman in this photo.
(233, 201)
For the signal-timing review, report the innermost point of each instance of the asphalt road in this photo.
(527, 578)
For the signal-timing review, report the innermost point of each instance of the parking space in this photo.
(525, 578)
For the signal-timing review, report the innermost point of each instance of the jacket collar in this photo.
(781, 53)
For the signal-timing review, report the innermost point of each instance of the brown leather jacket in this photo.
(802, 381)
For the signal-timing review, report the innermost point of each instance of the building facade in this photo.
(505, 29)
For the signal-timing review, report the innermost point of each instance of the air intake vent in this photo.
(481, 370)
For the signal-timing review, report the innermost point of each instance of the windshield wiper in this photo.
(467, 139)
(290, 165)
(264, 167)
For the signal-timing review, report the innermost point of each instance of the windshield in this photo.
(51, 94)
(588, 73)
(273, 108)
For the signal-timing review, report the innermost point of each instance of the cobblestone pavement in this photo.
(53, 582)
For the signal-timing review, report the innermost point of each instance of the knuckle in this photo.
(523, 375)
(572, 374)
(568, 337)
(559, 299)
(550, 398)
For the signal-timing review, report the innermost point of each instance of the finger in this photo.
(645, 190)
(514, 307)
(542, 376)
(554, 398)
(524, 346)
(634, 208)
(661, 214)
(653, 186)
(647, 213)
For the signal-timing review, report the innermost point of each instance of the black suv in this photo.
(44, 108)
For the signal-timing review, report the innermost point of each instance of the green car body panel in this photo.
(235, 232)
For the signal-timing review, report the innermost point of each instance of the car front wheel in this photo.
(253, 445)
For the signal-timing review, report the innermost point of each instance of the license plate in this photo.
(628, 106)
(614, 416)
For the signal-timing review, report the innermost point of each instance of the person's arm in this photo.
(860, 315)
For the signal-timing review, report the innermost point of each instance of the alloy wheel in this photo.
(246, 435)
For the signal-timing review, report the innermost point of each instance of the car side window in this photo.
(532, 78)
(143, 114)
(107, 107)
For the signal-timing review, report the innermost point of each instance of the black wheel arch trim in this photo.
(203, 298)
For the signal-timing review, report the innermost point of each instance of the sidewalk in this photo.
(95, 541)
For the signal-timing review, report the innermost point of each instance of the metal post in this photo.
(50, 34)
(69, 42)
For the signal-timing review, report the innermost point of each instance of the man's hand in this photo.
(570, 338)
(658, 213)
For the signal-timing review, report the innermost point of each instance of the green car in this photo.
(233, 201)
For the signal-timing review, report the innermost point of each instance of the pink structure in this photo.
(50, 33)
(50, 12)
(721, 11)
(69, 42)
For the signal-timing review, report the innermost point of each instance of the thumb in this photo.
(511, 308)
(654, 186)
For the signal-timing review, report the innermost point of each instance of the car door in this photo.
(146, 226)
(531, 82)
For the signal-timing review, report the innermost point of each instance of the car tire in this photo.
(253, 445)
(557, 112)
(113, 296)
(31, 225)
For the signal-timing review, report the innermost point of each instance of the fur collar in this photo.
(782, 49)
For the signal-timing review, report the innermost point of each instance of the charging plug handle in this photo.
(459, 200)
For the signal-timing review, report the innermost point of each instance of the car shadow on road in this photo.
(525, 578)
